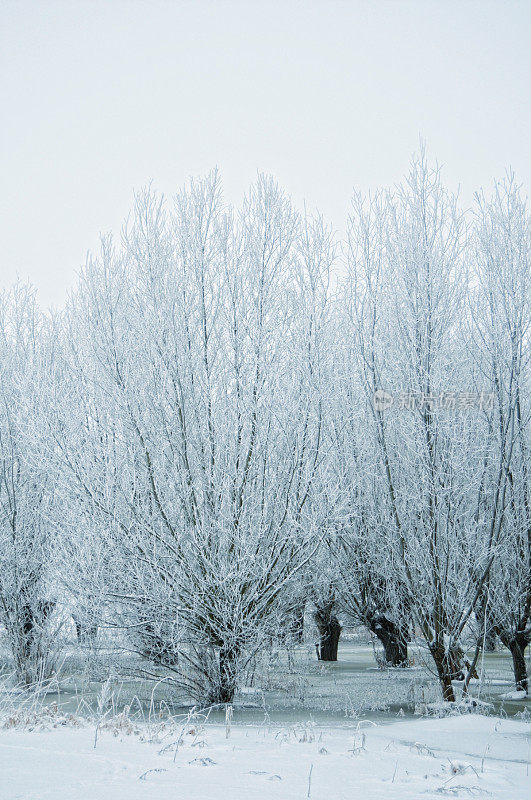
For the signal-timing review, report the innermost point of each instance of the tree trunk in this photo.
(517, 644)
(456, 663)
(329, 629)
(517, 648)
(226, 688)
(30, 650)
(393, 639)
(34, 619)
(444, 672)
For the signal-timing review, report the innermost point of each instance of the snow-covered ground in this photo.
(363, 741)
(461, 757)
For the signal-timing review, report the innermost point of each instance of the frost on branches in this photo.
(238, 417)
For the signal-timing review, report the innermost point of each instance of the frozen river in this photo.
(296, 689)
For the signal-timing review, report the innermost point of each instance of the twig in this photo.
(310, 781)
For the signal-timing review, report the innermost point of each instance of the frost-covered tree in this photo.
(227, 440)
(501, 315)
(26, 489)
(197, 431)
(407, 280)
(358, 551)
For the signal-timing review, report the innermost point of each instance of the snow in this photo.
(519, 694)
(461, 756)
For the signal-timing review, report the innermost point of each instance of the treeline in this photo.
(237, 414)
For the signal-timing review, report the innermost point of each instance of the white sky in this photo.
(98, 98)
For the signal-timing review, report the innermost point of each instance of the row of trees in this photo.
(236, 413)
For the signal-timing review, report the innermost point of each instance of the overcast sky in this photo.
(98, 98)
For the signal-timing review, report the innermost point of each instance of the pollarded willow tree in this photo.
(501, 324)
(193, 430)
(366, 584)
(27, 524)
(407, 287)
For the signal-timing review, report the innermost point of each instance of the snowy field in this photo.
(461, 757)
(303, 729)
